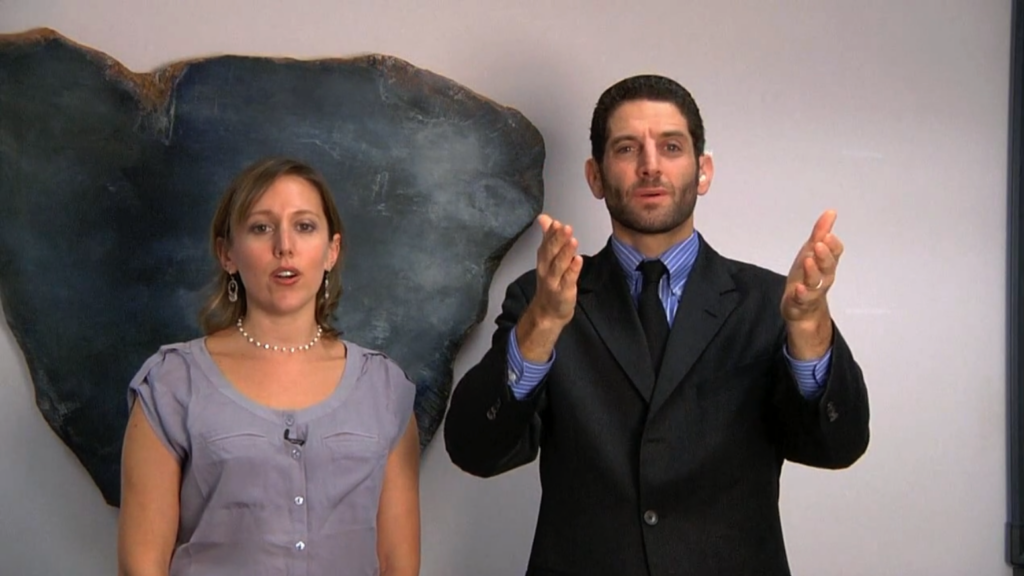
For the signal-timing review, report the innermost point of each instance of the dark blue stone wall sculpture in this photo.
(108, 181)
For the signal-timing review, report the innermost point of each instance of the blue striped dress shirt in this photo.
(524, 376)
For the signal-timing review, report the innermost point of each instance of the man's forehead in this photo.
(644, 115)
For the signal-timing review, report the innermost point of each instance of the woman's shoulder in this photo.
(380, 368)
(170, 362)
(371, 360)
(386, 382)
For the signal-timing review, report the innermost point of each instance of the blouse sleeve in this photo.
(401, 394)
(162, 387)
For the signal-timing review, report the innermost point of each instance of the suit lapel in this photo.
(605, 299)
(708, 299)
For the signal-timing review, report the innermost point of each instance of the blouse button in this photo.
(289, 420)
(299, 500)
(296, 453)
(300, 545)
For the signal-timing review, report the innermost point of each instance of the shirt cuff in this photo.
(810, 375)
(523, 376)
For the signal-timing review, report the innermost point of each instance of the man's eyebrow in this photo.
(666, 134)
(674, 134)
(622, 138)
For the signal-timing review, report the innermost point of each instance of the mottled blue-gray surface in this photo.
(109, 179)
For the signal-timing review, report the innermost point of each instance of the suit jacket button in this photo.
(650, 517)
(492, 413)
(830, 410)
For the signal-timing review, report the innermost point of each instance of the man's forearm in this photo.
(810, 339)
(536, 336)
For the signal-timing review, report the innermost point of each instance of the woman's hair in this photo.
(244, 191)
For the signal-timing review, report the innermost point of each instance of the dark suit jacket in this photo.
(669, 477)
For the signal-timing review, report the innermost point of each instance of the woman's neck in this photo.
(282, 331)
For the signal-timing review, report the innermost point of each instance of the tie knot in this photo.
(652, 271)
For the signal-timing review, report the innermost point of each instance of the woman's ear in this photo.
(224, 256)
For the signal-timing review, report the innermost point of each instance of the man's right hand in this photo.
(558, 268)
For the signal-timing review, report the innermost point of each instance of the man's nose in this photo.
(649, 161)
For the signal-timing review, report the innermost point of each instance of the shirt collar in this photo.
(679, 259)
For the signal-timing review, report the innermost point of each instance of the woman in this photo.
(271, 446)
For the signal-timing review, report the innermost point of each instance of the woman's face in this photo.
(282, 249)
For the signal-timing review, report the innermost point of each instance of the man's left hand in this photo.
(804, 306)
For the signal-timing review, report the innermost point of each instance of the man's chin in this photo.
(650, 223)
(648, 227)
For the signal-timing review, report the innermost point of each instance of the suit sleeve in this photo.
(829, 430)
(487, 430)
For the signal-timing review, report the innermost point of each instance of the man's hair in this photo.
(644, 87)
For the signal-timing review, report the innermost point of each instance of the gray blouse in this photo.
(254, 502)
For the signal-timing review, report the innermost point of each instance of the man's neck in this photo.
(652, 245)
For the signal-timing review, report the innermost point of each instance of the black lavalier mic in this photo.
(296, 441)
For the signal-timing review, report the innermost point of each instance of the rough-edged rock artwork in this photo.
(109, 179)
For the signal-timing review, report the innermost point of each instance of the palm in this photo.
(813, 271)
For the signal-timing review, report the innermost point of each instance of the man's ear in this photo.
(593, 174)
(705, 173)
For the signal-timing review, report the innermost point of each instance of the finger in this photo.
(824, 260)
(572, 272)
(800, 294)
(555, 253)
(823, 226)
(814, 280)
(545, 222)
(554, 238)
(564, 257)
(807, 290)
(558, 233)
(835, 246)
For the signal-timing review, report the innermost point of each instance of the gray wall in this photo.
(894, 113)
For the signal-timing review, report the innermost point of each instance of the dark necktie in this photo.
(651, 311)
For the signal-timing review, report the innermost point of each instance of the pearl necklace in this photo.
(258, 344)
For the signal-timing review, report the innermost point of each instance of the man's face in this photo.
(650, 175)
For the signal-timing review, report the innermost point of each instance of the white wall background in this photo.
(892, 112)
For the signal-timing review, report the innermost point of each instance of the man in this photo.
(662, 384)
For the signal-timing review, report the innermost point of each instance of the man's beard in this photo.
(654, 221)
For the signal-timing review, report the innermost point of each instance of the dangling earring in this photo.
(327, 294)
(232, 290)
